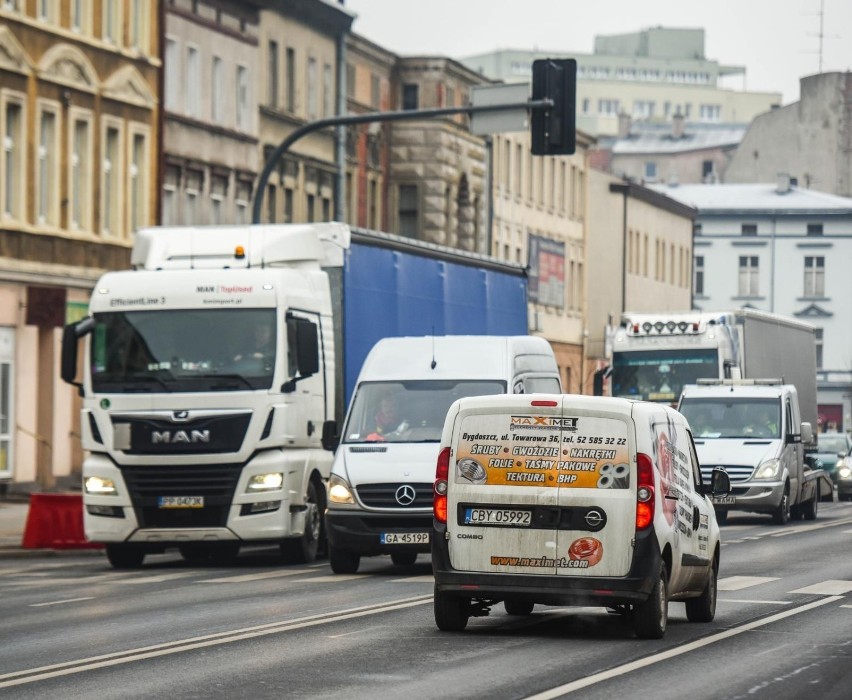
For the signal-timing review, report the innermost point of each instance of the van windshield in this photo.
(727, 418)
(410, 411)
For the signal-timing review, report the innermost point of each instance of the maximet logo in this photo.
(173, 437)
(544, 422)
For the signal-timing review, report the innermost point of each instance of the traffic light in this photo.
(553, 130)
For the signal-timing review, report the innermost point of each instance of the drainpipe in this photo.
(340, 146)
(624, 189)
(772, 267)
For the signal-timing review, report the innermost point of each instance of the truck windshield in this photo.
(412, 411)
(727, 418)
(659, 375)
(183, 350)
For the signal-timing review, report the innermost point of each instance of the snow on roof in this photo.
(662, 141)
(755, 197)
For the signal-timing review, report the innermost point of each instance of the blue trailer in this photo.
(391, 286)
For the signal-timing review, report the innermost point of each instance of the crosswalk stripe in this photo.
(736, 583)
(830, 587)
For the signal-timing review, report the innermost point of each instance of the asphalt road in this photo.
(74, 626)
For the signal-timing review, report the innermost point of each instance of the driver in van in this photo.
(389, 420)
(763, 425)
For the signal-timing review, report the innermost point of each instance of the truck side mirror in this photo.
(303, 345)
(71, 335)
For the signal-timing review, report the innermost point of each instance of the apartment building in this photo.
(79, 115)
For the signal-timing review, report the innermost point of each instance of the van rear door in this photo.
(502, 502)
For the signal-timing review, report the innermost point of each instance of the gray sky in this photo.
(777, 41)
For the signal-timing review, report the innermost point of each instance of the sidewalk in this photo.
(14, 511)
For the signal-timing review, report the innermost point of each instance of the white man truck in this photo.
(217, 370)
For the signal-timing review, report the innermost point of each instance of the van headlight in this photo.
(259, 483)
(339, 491)
(100, 486)
(767, 470)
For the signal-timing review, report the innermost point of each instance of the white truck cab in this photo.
(380, 489)
(571, 500)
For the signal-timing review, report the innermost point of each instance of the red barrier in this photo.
(55, 521)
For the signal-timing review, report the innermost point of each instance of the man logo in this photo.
(170, 437)
(405, 495)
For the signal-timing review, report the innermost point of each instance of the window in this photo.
(79, 216)
(709, 113)
(111, 24)
(375, 91)
(410, 96)
(169, 203)
(708, 170)
(13, 161)
(171, 74)
(272, 76)
(138, 181)
(288, 205)
(217, 91)
(818, 332)
(243, 116)
(587, 106)
(48, 190)
(290, 69)
(697, 229)
(218, 196)
(271, 204)
(192, 191)
(373, 206)
(748, 229)
(650, 170)
(814, 276)
(311, 203)
(139, 24)
(698, 276)
(350, 81)
(815, 229)
(408, 211)
(47, 10)
(313, 89)
(80, 16)
(111, 174)
(608, 107)
(193, 82)
(241, 201)
(643, 109)
(748, 279)
(327, 91)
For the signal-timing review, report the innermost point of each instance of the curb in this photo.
(18, 552)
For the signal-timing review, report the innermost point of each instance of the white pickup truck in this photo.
(752, 428)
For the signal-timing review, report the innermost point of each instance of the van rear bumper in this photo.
(551, 590)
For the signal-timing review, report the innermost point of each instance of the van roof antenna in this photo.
(434, 363)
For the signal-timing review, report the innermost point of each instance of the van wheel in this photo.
(810, 508)
(303, 549)
(125, 556)
(781, 515)
(342, 561)
(404, 558)
(451, 613)
(518, 607)
(650, 618)
(703, 608)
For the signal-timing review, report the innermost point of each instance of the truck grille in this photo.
(215, 482)
(737, 473)
(207, 435)
(385, 495)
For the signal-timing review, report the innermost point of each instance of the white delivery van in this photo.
(380, 489)
(572, 500)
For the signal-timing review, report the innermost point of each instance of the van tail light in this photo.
(644, 492)
(442, 475)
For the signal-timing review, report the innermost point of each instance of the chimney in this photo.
(677, 126)
(783, 183)
(624, 123)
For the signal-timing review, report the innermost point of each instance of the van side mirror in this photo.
(720, 482)
(330, 436)
(807, 433)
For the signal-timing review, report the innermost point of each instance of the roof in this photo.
(763, 197)
(661, 140)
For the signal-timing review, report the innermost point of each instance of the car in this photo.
(831, 449)
(844, 478)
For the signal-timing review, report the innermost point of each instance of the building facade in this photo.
(79, 123)
(640, 257)
(783, 249)
(811, 140)
(650, 75)
(210, 143)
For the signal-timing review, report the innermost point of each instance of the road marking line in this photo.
(426, 578)
(153, 579)
(66, 668)
(333, 578)
(846, 606)
(830, 587)
(561, 690)
(257, 577)
(736, 583)
(756, 602)
(61, 602)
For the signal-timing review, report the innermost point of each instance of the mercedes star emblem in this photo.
(405, 495)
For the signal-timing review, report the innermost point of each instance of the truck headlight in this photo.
(265, 482)
(100, 486)
(768, 470)
(339, 491)
(844, 472)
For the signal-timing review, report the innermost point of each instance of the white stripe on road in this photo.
(257, 577)
(61, 602)
(154, 579)
(832, 587)
(756, 602)
(737, 583)
(561, 690)
(334, 578)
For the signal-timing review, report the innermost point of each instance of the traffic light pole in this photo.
(370, 117)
